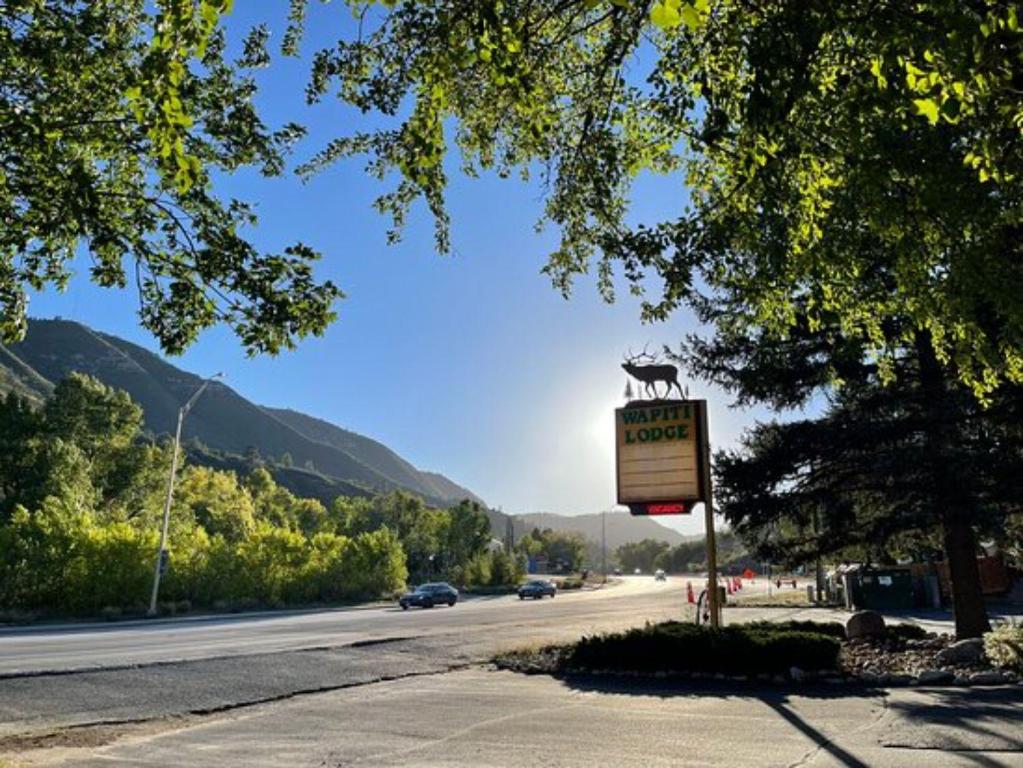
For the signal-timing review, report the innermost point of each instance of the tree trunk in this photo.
(952, 499)
(964, 575)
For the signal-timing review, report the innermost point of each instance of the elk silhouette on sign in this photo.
(646, 369)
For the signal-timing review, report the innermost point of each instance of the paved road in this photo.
(96, 646)
(108, 645)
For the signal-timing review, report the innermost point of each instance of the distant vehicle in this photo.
(537, 589)
(429, 595)
(660, 575)
(618, 571)
(638, 571)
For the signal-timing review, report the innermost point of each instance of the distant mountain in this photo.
(324, 456)
(374, 454)
(622, 527)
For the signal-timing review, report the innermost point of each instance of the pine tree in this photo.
(902, 461)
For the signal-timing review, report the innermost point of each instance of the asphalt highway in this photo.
(97, 646)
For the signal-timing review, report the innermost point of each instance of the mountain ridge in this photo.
(620, 527)
(221, 420)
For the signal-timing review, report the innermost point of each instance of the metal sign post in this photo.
(708, 513)
(662, 460)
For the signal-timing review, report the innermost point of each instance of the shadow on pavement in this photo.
(695, 688)
(776, 697)
(962, 719)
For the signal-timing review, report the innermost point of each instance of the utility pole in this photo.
(819, 566)
(603, 544)
(161, 554)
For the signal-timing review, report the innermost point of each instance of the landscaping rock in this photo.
(989, 678)
(967, 651)
(864, 624)
(899, 680)
(935, 677)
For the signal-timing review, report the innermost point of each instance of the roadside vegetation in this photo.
(1004, 646)
(792, 651)
(81, 499)
(564, 551)
(686, 557)
(679, 647)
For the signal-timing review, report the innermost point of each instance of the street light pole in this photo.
(161, 552)
(603, 545)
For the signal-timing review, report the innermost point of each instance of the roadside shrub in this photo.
(487, 569)
(682, 647)
(905, 631)
(375, 566)
(59, 560)
(569, 583)
(829, 628)
(477, 571)
(505, 569)
(16, 616)
(1004, 646)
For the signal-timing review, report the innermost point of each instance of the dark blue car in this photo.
(537, 589)
(429, 595)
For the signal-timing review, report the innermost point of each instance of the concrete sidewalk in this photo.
(478, 717)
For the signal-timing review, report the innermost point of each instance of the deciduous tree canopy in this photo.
(814, 144)
(115, 118)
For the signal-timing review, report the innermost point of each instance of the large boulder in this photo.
(966, 651)
(864, 624)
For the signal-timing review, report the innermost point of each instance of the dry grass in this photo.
(795, 598)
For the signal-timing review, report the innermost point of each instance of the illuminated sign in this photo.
(662, 462)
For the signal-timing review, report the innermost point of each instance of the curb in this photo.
(989, 679)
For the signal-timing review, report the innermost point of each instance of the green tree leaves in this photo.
(821, 146)
(116, 117)
(669, 14)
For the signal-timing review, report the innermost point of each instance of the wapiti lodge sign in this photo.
(662, 456)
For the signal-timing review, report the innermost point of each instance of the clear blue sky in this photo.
(470, 364)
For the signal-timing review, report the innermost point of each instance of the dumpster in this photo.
(879, 588)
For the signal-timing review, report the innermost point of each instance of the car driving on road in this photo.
(537, 589)
(429, 595)
(660, 575)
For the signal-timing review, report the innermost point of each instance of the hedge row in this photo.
(741, 649)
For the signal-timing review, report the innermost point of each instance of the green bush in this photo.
(569, 583)
(830, 628)
(505, 569)
(905, 632)
(62, 561)
(682, 647)
(1004, 646)
(478, 570)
